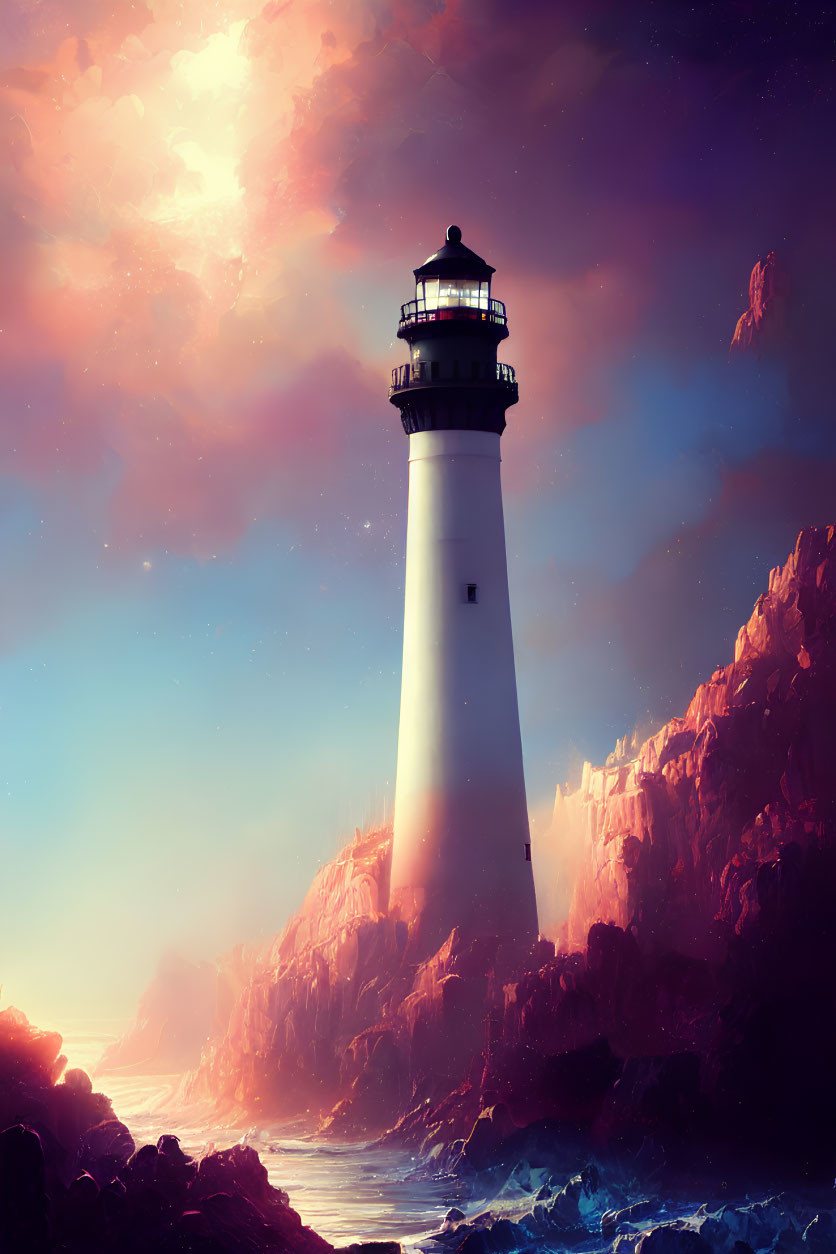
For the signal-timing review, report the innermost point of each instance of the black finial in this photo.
(454, 235)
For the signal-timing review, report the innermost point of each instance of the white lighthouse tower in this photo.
(461, 854)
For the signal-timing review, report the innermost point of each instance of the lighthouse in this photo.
(461, 854)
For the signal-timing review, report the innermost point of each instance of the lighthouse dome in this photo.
(454, 260)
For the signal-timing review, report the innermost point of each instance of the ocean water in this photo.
(345, 1192)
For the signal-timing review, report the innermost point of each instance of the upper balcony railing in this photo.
(420, 373)
(483, 310)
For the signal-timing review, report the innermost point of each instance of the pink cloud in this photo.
(193, 203)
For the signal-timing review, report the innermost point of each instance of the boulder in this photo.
(24, 1204)
(673, 1238)
(611, 1220)
(105, 1149)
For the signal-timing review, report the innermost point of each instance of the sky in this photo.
(209, 215)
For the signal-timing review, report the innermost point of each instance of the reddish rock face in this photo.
(673, 840)
(760, 326)
(310, 992)
(705, 871)
(338, 1016)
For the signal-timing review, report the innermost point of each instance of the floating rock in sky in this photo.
(760, 327)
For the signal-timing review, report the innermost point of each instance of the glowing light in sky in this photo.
(217, 178)
(218, 67)
(202, 130)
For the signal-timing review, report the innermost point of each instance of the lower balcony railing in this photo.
(421, 373)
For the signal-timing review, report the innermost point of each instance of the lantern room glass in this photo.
(433, 294)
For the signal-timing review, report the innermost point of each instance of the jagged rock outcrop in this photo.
(761, 326)
(592, 1210)
(72, 1180)
(705, 875)
(674, 840)
(311, 992)
(339, 1021)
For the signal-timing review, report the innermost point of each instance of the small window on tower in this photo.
(434, 370)
(474, 369)
(528, 852)
(472, 596)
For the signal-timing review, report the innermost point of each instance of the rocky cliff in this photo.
(700, 1001)
(690, 998)
(311, 991)
(337, 1019)
(673, 841)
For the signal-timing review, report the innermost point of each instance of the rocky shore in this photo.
(72, 1180)
(589, 1214)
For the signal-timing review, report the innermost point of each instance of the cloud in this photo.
(210, 223)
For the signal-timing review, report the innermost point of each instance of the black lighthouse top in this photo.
(454, 260)
(453, 326)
